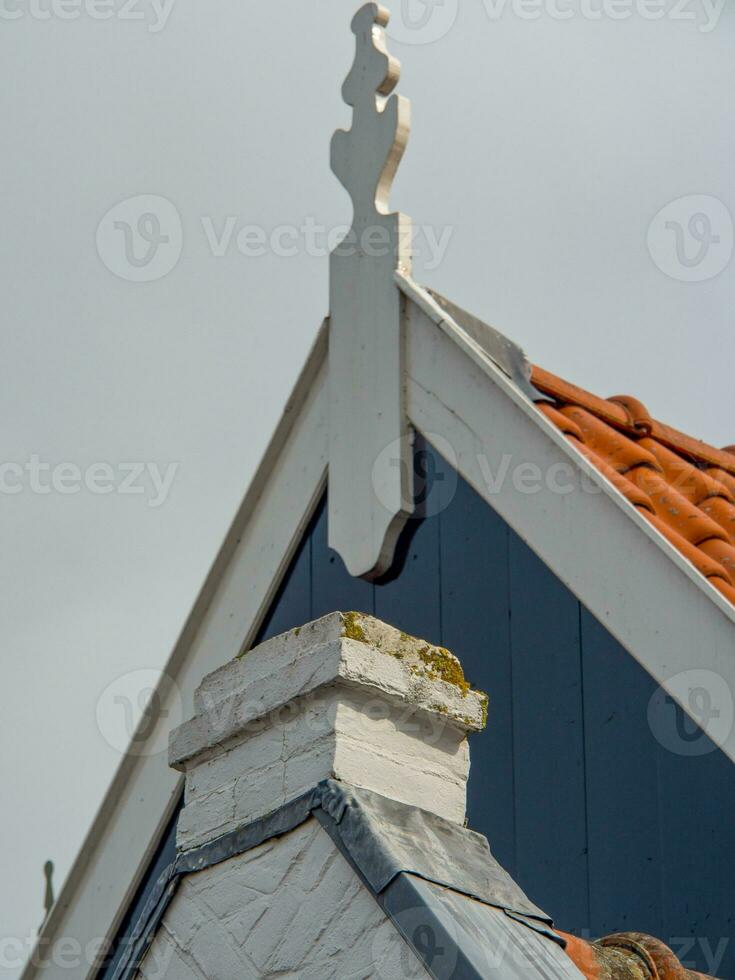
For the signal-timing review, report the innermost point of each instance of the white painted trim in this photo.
(627, 575)
(225, 617)
(659, 607)
(371, 479)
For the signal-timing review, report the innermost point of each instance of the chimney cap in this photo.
(352, 648)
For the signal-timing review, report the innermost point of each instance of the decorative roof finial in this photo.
(370, 469)
(365, 158)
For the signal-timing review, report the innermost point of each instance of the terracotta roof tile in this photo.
(626, 956)
(620, 451)
(566, 425)
(634, 494)
(675, 510)
(684, 487)
(615, 414)
(694, 483)
(723, 512)
(723, 477)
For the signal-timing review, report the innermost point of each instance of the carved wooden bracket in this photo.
(370, 466)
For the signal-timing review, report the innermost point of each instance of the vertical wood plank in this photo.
(292, 604)
(622, 798)
(476, 627)
(332, 586)
(164, 855)
(411, 602)
(548, 737)
(569, 763)
(697, 801)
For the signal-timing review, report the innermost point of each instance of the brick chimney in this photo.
(345, 697)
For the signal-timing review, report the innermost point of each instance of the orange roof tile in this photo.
(682, 486)
(626, 956)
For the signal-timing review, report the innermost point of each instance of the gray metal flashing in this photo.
(411, 861)
(457, 938)
(385, 837)
(507, 355)
(145, 928)
(503, 352)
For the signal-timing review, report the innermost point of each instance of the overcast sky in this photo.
(544, 150)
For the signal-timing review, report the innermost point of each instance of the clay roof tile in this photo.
(626, 956)
(684, 487)
(616, 448)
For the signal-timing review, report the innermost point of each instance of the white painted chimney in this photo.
(345, 697)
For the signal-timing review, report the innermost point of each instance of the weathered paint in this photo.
(597, 821)
(344, 697)
(291, 907)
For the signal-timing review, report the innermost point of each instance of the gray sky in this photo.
(543, 147)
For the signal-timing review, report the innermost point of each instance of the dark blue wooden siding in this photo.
(605, 828)
(164, 855)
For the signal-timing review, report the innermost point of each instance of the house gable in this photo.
(587, 779)
(323, 832)
(642, 595)
(459, 398)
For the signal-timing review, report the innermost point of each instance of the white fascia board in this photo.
(650, 598)
(224, 619)
(619, 566)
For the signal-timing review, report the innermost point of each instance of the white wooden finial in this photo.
(370, 471)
